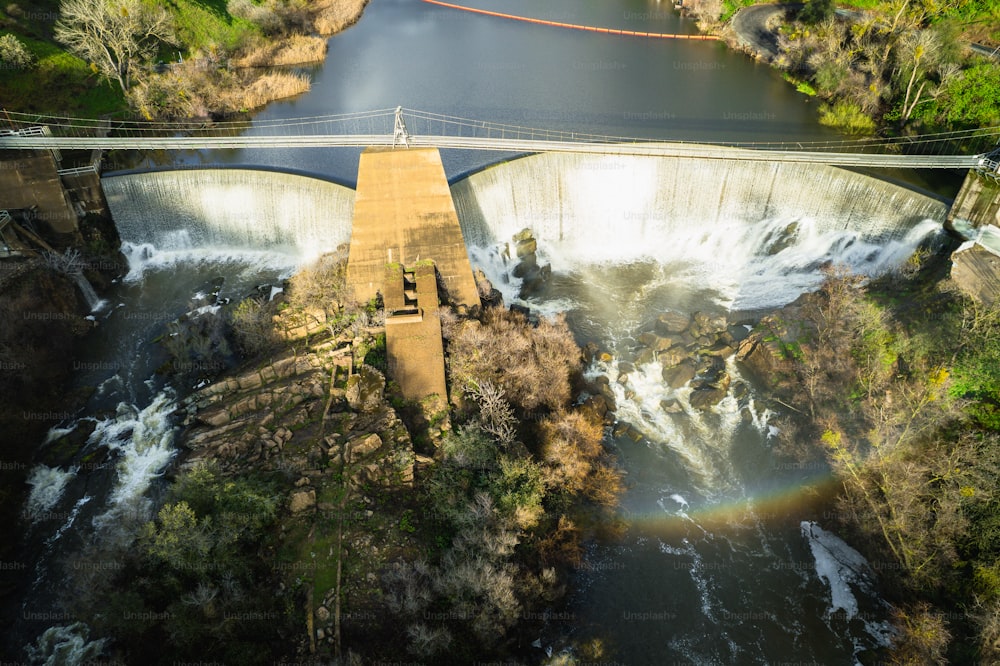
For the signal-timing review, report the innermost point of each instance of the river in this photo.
(721, 562)
(419, 56)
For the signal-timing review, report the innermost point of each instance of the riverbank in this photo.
(901, 406)
(877, 71)
(225, 64)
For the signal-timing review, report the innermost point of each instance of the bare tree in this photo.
(115, 36)
(496, 415)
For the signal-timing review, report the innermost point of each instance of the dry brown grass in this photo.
(295, 50)
(270, 87)
(192, 91)
(332, 16)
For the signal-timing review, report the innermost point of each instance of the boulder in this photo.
(719, 381)
(671, 406)
(251, 380)
(323, 614)
(302, 501)
(673, 356)
(679, 375)
(215, 419)
(527, 268)
(364, 446)
(720, 348)
(364, 389)
(763, 359)
(526, 247)
(523, 235)
(706, 398)
(648, 339)
(672, 322)
(706, 324)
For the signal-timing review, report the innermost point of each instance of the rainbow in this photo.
(804, 499)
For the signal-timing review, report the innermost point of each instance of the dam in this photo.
(754, 221)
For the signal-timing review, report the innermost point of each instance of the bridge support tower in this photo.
(406, 242)
(975, 215)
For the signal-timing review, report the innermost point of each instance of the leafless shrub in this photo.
(253, 326)
(495, 414)
(428, 641)
(69, 262)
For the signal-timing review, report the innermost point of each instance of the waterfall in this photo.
(94, 302)
(208, 214)
(756, 231)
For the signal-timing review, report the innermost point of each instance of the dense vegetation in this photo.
(901, 66)
(900, 381)
(176, 59)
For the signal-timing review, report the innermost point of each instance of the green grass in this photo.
(204, 24)
(59, 82)
(859, 4)
(730, 7)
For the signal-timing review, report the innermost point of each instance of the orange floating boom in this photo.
(573, 26)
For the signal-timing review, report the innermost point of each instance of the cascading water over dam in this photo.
(206, 213)
(755, 231)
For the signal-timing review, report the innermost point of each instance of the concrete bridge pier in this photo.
(405, 236)
(975, 215)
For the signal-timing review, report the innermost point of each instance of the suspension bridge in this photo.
(407, 128)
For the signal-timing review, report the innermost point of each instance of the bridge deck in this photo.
(514, 145)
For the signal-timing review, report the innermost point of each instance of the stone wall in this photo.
(31, 179)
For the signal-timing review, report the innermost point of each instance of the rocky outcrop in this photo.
(976, 270)
(692, 350)
(301, 412)
(765, 352)
(534, 278)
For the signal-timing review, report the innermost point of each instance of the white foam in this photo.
(47, 486)
(180, 251)
(145, 440)
(839, 566)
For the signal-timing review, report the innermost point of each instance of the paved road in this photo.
(754, 33)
